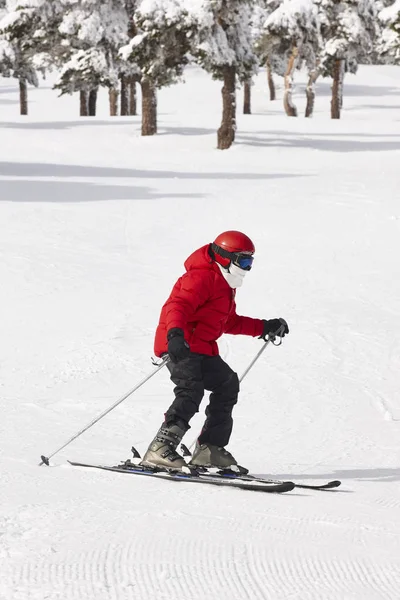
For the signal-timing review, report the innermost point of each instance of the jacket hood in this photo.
(201, 259)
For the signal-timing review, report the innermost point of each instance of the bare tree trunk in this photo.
(132, 97)
(113, 97)
(149, 108)
(23, 96)
(124, 96)
(226, 133)
(337, 88)
(271, 83)
(247, 98)
(290, 108)
(310, 91)
(92, 102)
(84, 103)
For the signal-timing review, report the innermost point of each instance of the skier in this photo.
(200, 308)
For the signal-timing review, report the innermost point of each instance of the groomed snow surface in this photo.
(95, 223)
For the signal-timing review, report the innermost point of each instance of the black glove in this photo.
(272, 327)
(178, 348)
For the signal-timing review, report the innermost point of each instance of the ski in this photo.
(243, 475)
(329, 485)
(208, 479)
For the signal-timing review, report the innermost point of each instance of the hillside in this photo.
(95, 224)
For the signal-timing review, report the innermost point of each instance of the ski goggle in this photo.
(243, 261)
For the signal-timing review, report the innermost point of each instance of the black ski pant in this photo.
(192, 376)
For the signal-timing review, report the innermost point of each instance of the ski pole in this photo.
(271, 339)
(45, 459)
(255, 359)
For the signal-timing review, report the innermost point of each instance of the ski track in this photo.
(209, 563)
(190, 571)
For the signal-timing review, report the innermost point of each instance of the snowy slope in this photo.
(95, 223)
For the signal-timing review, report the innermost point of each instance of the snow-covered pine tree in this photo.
(164, 30)
(348, 29)
(292, 33)
(261, 12)
(257, 16)
(30, 33)
(129, 72)
(374, 56)
(388, 46)
(92, 32)
(21, 45)
(224, 48)
(5, 49)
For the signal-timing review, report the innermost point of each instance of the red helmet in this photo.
(233, 246)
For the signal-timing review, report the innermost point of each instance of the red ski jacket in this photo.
(202, 304)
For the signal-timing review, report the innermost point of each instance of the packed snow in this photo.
(95, 223)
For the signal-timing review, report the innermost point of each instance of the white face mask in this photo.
(234, 275)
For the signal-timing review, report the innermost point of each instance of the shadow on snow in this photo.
(16, 169)
(82, 122)
(28, 190)
(352, 90)
(374, 475)
(287, 139)
(22, 185)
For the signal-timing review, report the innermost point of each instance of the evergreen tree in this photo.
(348, 29)
(6, 54)
(259, 13)
(16, 48)
(273, 62)
(291, 32)
(224, 48)
(388, 46)
(29, 31)
(159, 50)
(91, 32)
(129, 71)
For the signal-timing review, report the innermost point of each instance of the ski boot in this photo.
(162, 450)
(210, 456)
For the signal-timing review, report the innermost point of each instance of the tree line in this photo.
(119, 44)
